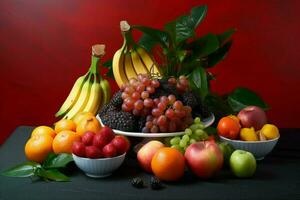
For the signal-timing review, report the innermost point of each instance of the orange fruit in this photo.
(168, 164)
(228, 127)
(38, 147)
(64, 124)
(80, 116)
(63, 141)
(43, 130)
(88, 123)
(234, 117)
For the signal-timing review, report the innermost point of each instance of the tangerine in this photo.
(168, 164)
(64, 124)
(63, 141)
(80, 116)
(38, 147)
(43, 130)
(88, 123)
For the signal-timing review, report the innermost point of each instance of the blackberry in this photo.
(120, 120)
(137, 182)
(190, 99)
(165, 89)
(141, 123)
(117, 100)
(155, 183)
(106, 109)
(194, 100)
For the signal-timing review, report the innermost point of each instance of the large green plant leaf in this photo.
(199, 82)
(26, 169)
(156, 35)
(108, 65)
(243, 97)
(218, 55)
(224, 37)
(203, 46)
(184, 26)
(57, 161)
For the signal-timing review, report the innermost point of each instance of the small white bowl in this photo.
(258, 148)
(99, 167)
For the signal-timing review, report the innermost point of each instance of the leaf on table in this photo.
(52, 174)
(243, 97)
(57, 161)
(25, 169)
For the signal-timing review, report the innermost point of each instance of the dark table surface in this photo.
(277, 177)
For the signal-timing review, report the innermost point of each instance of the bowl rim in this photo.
(99, 159)
(250, 142)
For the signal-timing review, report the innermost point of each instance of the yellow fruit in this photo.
(88, 123)
(43, 130)
(270, 131)
(64, 125)
(248, 134)
(63, 141)
(38, 147)
(80, 116)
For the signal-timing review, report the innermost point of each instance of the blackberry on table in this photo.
(155, 183)
(137, 182)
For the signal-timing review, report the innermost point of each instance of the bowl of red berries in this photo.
(100, 154)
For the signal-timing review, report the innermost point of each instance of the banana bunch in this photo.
(131, 59)
(90, 91)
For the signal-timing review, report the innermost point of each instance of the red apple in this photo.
(252, 116)
(93, 152)
(99, 140)
(146, 153)
(87, 138)
(204, 158)
(78, 148)
(107, 133)
(109, 150)
(121, 143)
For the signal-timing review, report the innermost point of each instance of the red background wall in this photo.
(45, 46)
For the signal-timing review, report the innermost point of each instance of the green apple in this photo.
(227, 149)
(242, 163)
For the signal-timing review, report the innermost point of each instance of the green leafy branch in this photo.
(49, 170)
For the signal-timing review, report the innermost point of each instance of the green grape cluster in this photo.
(192, 134)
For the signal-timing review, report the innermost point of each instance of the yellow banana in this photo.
(147, 60)
(106, 92)
(82, 99)
(72, 97)
(118, 68)
(94, 100)
(138, 64)
(129, 69)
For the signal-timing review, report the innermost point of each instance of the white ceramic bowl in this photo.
(100, 167)
(258, 148)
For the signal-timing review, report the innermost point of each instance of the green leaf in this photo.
(108, 65)
(218, 106)
(199, 79)
(26, 169)
(223, 37)
(158, 36)
(203, 46)
(57, 161)
(218, 55)
(243, 97)
(52, 174)
(197, 15)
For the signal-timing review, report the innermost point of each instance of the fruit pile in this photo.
(102, 144)
(249, 125)
(153, 105)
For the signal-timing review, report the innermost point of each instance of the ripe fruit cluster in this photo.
(193, 134)
(163, 114)
(101, 144)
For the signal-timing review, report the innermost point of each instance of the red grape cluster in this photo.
(163, 114)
